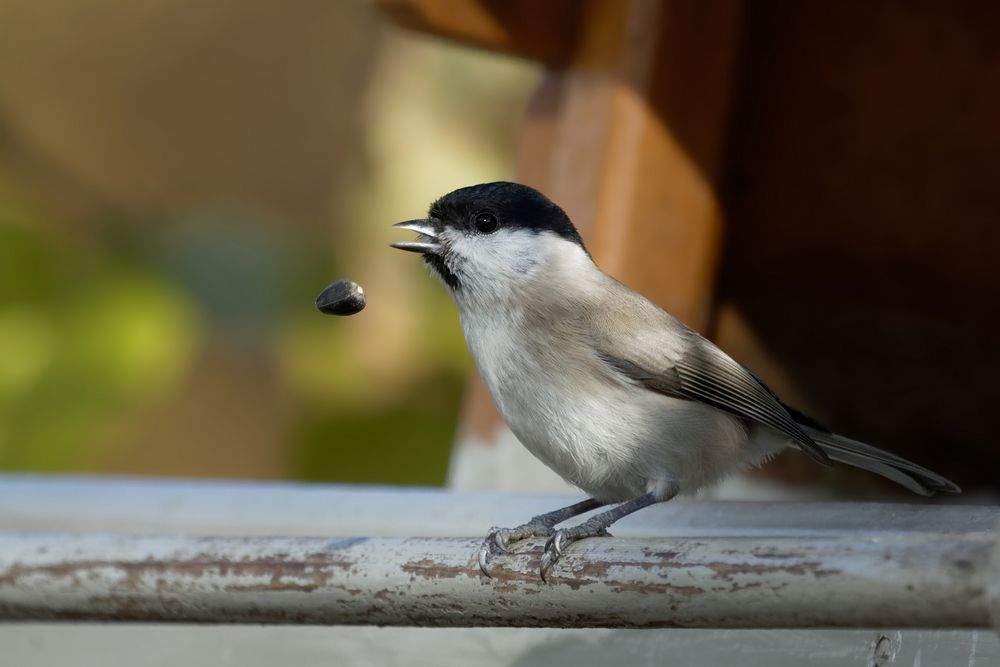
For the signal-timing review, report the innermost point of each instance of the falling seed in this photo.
(344, 297)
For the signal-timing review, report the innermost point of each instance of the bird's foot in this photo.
(562, 538)
(499, 540)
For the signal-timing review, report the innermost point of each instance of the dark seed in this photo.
(344, 297)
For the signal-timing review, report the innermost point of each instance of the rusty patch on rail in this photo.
(656, 587)
(768, 553)
(280, 574)
(431, 569)
(724, 570)
(502, 579)
(598, 569)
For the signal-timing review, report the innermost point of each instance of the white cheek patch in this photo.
(506, 255)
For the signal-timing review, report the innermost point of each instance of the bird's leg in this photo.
(595, 526)
(498, 540)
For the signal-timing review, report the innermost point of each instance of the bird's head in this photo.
(488, 238)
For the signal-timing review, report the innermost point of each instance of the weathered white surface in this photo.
(45, 645)
(31, 503)
(904, 580)
(150, 506)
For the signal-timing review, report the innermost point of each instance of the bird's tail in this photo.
(906, 473)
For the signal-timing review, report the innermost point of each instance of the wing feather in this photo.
(675, 361)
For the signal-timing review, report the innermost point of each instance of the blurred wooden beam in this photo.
(636, 131)
(542, 31)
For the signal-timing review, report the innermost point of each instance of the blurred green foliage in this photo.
(407, 442)
(84, 340)
(92, 335)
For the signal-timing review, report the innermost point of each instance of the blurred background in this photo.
(179, 180)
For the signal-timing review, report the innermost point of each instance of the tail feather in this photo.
(906, 473)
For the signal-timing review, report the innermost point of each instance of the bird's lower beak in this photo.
(426, 244)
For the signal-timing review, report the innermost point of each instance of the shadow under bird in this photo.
(614, 394)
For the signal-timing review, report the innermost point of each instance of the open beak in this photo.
(426, 244)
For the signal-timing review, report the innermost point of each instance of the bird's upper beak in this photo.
(426, 244)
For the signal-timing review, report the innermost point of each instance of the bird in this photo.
(614, 394)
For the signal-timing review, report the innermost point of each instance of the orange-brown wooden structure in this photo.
(814, 185)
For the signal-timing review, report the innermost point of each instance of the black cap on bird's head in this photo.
(484, 210)
(479, 207)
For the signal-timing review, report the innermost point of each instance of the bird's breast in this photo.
(565, 406)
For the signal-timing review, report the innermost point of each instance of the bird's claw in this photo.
(499, 540)
(560, 540)
(495, 543)
(551, 553)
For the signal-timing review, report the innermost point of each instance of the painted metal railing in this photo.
(160, 550)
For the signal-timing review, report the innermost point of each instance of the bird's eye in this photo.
(486, 222)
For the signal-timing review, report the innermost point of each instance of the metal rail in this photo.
(893, 572)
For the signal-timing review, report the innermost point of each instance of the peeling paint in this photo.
(613, 582)
(425, 567)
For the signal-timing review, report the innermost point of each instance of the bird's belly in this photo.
(618, 441)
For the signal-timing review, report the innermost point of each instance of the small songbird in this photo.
(617, 396)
